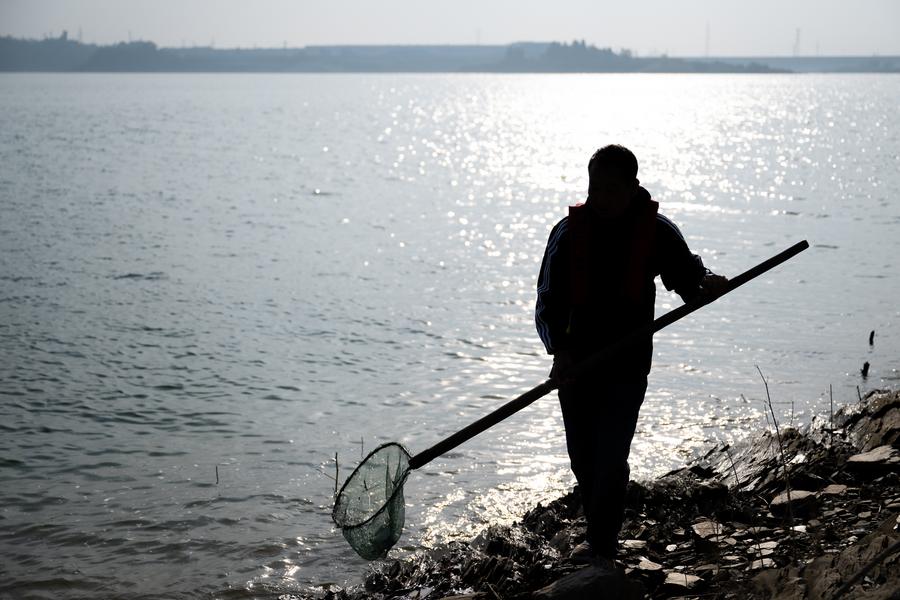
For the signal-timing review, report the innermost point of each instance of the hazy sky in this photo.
(679, 27)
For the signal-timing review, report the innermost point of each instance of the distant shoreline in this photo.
(63, 55)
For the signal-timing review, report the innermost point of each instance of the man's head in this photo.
(613, 180)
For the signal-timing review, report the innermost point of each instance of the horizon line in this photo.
(212, 46)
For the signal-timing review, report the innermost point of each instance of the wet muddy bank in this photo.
(729, 525)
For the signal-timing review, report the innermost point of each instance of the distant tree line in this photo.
(63, 54)
(580, 57)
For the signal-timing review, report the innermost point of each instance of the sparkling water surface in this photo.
(212, 284)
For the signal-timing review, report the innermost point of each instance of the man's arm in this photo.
(681, 270)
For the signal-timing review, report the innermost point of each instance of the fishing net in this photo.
(370, 509)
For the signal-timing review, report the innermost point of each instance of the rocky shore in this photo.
(730, 525)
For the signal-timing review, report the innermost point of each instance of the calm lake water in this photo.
(212, 284)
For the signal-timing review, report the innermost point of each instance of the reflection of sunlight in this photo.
(531, 466)
(697, 207)
(424, 208)
(500, 159)
(433, 513)
(506, 504)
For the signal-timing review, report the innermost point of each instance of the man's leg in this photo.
(575, 402)
(600, 422)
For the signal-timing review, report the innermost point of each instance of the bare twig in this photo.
(217, 474)
(337, 472)
(766, 414)
(792, 413)
(737, 481)
(328, 475)
(831, 400)
(494, 592)
(784, 464)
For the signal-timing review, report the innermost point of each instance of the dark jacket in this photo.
(588, 293)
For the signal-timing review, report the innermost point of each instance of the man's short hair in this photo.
(614, 159)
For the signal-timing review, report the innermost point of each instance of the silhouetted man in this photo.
(595, 286)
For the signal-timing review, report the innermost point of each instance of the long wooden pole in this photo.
(539, 391)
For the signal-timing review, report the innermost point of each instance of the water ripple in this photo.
(192, 328)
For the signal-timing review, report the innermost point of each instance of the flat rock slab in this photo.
(648, 565)
(802, 503)
(682, 581)
(835, 489)
(707, 529)
(881, 427)
(880, 457)
(763, 563)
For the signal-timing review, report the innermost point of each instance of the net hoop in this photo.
(398, 489)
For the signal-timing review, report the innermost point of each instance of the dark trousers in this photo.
(600, 419)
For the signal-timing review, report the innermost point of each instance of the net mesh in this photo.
(370, 508)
